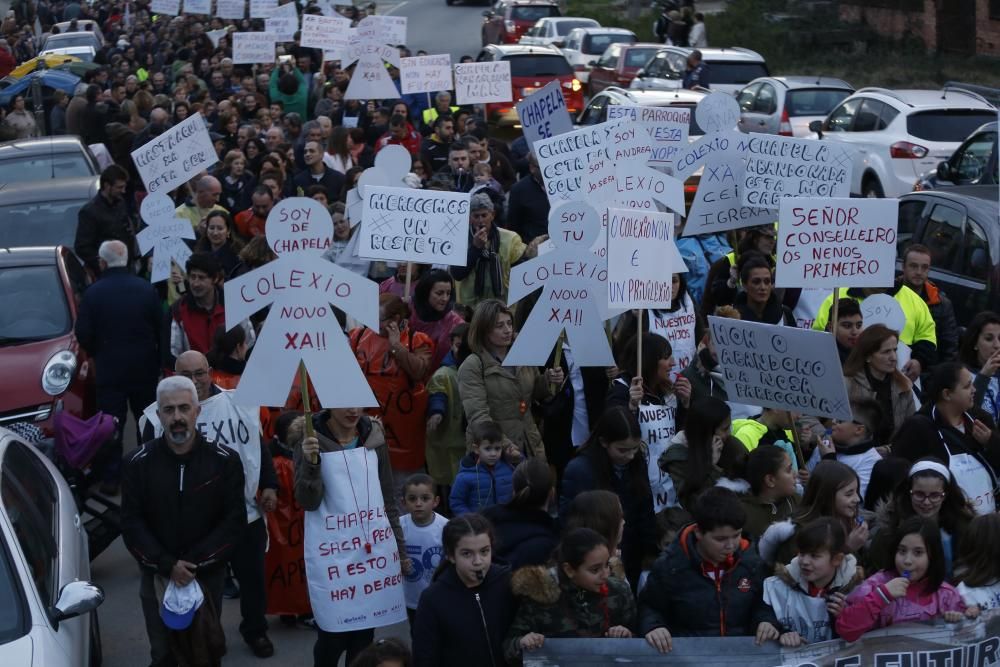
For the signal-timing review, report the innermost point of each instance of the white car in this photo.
(897, 135)
(48, 616)
(552, 31)
(729, 69)
(585, 45)
(84, 53)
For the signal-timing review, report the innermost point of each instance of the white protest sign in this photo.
(717, 113)
(425, 226)
(251, 48)
(301, 286)
(166, 7)
(392, 164)
(203, 7)
(353, 570)
(390, 29)
(678, 327)
(231, 9)
(368, 45)
(637, 184)
(177, 155)
(825, 242)
(781, 367)
(261, 9)
(329, 33)
(717, 205)
(642, 259)
(657, 426)
(573, 280)
(283, 22)
(882, 309)
(543, 114)
(564, 160)
(779, 167)
(215, 35)
(666, 127)
(163, 235)
(479, 83)
(425, 74)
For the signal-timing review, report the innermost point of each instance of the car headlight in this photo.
(58, 372)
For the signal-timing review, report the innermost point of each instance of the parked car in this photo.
(67, 39)
(82, 25)
(45, 369)
(44, 213)
(531, 67)
(84, 53)
(584, 45)
(897, 135)
(552, 31)
(729, 69)
(46, 159)
(959, 226)
(50, 80)
(49, 607)
(619, 64)
(972, 163)
(510, 19)
(785, 105)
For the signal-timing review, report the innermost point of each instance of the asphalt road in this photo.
(433, 26)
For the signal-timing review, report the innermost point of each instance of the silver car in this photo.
(585, 45)
(786, 105)
(48, 616)
(729, 69)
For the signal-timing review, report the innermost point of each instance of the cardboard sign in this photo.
(392, 164)
(352, 564)
(425, 74)
(369, 48)
(678, 327)
(166, 7)
(657, 426)
(163, 235)
(717, 113)
(781, 367)
(252, 48)
(261, 9)
(392, 29)
(637, 184)
(301, 286)
(203, 7)
(283, 22)
(329, 33)
(836, 242)
(231, 9)
(718, 205)
(882, 309)
(407, 225)
(480, 83)
(543, 114)
(666, 127)
(564, 160)
(642, 259)
(779, 167)
(173, 158)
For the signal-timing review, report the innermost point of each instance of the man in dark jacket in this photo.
(118, 324)
(708, 583)
(529, 206)
(316, 173)
(916, 266)
(105, 218)
(182, 508)
(435, 147)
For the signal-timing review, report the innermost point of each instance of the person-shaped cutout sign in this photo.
(574, 283)
(392, 164)
(163, 236)
(301, 288)
(369, 46)
(718, 205)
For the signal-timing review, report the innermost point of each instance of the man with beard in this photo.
(105, 218)
(182, 511)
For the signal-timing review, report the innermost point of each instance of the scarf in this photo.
(489, 262)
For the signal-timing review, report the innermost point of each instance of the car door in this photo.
(766, 115)
(974, 161)
(603, 74)
(745, 99)
(839, 127)
(596, 111)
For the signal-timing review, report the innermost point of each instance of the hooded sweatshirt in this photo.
(797, 609)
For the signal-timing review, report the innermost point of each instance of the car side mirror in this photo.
(559, 44)
(76, 599)
(944, 171)
(592, 63)
(488, 14)
(817, 127)
(641, 73)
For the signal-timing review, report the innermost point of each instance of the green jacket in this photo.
(297, 102)
(446, 443)
(919, 323)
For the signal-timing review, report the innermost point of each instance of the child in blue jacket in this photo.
(483, 478)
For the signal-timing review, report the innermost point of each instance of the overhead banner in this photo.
(253, 48)
(425, 74)
(407, 225)
(779, 167)
(543, 114)
(176, 156)
(480, 83)
(781, 367)
(353, 570)
(642, 259)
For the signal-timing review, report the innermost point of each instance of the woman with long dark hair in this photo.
(525, 531)
(980, 352)
(679, 324)
(693, 460)
(871, 374)
(432, 311)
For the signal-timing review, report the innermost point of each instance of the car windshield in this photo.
(946, 124)
(639, 57)
(70, 39)
(32, 304)
(531, 65)
(45, 223)
(595, 45)
(530, 13)
(813, 101)
(564, 27)
(726, 72)
(45, 167)
(13, 615)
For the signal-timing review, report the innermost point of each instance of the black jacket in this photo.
(774, 311)
(182, 507)
(119, 324)
(926, 434)
(99, 221)
(332, 180)
(458, 626)
(434, 152)
(523, 537)
(678, 595)
(528, 212)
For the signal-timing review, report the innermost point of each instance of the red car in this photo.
(619, 64)
(510, 19)
(531, 67)
(45, 369)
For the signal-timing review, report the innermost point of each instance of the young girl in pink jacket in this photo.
(914, 590)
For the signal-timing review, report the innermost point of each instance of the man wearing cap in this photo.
(182, 509)
(492, 251)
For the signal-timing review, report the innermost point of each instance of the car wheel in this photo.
(872, 188)
(96, 651)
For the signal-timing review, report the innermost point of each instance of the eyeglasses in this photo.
(934, 497)
(200, 374)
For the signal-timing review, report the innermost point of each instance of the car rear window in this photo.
(813, 101)
(45, 167)
(595, 45)
(734, 72)
(564, 27)
(47, 223)
(64, 40)
(530, 13)
(639, 57)
(32, 304)
(538, 65)
(946, 124)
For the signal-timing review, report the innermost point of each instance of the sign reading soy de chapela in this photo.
(176, 156)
